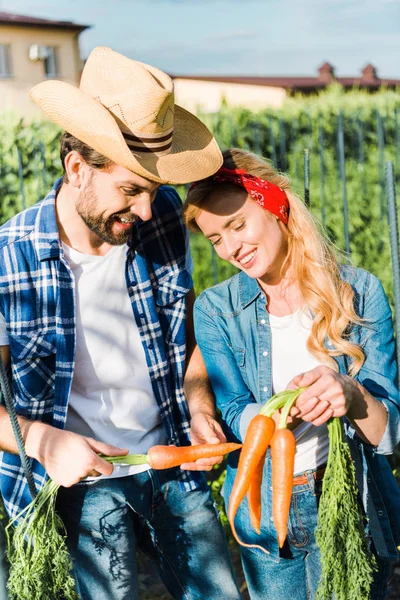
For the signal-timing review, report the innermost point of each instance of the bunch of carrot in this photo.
(40, 565)
(260, 435)
(347, 564)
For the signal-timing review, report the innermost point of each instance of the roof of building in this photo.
(13, 19)
(326, 75)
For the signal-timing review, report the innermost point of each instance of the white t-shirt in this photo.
(111, 397)
(290, 357)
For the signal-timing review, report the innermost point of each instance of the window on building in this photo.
(5, 61)
(51, 62)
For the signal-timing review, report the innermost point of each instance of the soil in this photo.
(151, 587)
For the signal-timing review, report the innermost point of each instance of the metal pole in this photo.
(233, 141)
(273, 145)
(397, 138)
(361, 155)
(321, 145)
(306, 177)
(342, 168)
(381, 161)
(394, 247)
(256, 140)
(293, 150)
(282, 146)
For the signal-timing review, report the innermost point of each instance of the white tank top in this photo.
(290, 357)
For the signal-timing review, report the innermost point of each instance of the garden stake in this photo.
(361, 155)
(321, 144)
(306, 177)
(282, 146)
(274, 157)
(381, 159)
(342, 167)
(394, 246)
(21, 179)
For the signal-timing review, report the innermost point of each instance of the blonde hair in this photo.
(312, 259)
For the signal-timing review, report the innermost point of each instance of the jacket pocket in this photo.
(33, 359)
(173, 288)
(240, 359)
(239, 354)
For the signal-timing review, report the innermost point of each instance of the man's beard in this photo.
(86, 208)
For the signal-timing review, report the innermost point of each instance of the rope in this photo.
(6, 394)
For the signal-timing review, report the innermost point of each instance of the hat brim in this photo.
(194, 153)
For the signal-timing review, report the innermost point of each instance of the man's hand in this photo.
(68, 457)
(204, 429)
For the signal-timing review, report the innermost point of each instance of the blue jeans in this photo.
(108, 520)
(294, 571)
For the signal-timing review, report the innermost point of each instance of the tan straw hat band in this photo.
(141, 147)
(145, 139)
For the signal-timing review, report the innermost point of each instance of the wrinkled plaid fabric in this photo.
(37, 303)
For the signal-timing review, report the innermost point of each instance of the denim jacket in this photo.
(233, 333)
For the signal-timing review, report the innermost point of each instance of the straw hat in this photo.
(125, 110)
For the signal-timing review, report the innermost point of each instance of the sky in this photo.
(236, 37)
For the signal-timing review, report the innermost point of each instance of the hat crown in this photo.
(140, 97)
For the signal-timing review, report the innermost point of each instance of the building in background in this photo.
(206, 93)
(32, 49)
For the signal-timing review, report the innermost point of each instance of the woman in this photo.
(294, 317)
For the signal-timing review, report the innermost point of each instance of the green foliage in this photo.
(346, 561)
(24, 181)
(281, 135)
(40, 565)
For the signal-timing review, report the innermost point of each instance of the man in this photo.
(95, 287)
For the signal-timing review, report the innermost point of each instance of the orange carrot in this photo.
(258, 436)
(283, 448)
(254, 495)
(165, 457)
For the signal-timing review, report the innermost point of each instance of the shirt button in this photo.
(380, 513)
(134, 282)
(265, 389)
(175, 293)
(150, 346)
(262, 321)
(265, 353)
(142, 315)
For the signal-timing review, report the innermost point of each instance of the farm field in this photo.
(338, 149)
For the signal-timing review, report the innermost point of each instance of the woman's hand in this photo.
(328, 394)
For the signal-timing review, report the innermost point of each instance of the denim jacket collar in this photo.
(249, 290)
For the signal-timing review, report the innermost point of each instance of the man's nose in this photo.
(142, 207)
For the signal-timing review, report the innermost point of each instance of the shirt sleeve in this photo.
(379, 372)
(4, 341)
(231, 393)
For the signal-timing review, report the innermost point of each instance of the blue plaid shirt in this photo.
(37, 301)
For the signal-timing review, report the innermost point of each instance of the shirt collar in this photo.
(249, 289)
(47, 237)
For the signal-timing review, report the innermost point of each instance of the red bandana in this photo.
(266, 194)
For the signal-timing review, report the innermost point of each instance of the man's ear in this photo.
(75, 168)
